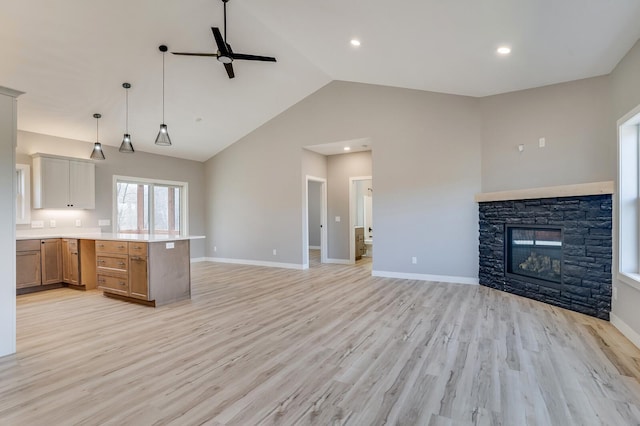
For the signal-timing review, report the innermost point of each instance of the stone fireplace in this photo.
(555, 249)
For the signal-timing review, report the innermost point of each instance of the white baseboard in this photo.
(198, 259)
(255, 263)
(426, 277)
(624, 328)
(314, 247)
(339, 261)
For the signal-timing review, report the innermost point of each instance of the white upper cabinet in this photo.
(63, 183)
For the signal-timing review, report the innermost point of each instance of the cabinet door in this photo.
(82, 185)
(138, 278)
(28, 269)
(51, 256)
(70, 264)
(54, 183)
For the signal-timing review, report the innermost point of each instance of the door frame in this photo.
(323, 220)
(352, 216)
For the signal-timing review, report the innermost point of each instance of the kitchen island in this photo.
(150, 269)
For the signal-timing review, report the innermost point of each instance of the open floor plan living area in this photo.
(238, 212)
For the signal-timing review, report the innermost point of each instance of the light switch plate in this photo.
(78, 223)
(52, 223)
(337, 218)
(170, 245)
(37, 224)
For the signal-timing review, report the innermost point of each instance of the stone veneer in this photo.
(587, 253)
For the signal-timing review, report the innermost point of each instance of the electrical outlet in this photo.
(337, 218)
(52, 223)
(215, 248)
(414, 260)
(104, 222)
(170, 245)
(615, 293)
(37, 224)
(275, 252)
(521, 147)
(542, 142)
(78, 223)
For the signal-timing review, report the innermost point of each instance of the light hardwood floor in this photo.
(331, 345)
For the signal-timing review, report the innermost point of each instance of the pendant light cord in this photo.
(97, 120)
(126, 121)
(163, 87)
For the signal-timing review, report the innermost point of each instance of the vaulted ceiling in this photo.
(72, 56)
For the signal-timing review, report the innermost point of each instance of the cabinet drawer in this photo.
(27, 245)
(118, 262)
(112, 247)
(113, 284)
(138, 249)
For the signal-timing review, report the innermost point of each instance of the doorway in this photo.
(361, 219)
(315, 220)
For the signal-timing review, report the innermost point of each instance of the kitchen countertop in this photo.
(153, 238)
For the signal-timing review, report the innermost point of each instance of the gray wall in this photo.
(573, 117)
(339, 169)
(625, 83)
(425, 173)
(140, 164)
(7, 224)
(315, 203)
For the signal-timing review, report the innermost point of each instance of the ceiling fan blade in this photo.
(222, 46)
(215, 55)
(253, 57)
(229, 68)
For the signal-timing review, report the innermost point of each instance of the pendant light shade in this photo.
(163, 138)
(97, 153)
(126, 146)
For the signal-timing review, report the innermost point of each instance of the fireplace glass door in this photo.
(534, 253)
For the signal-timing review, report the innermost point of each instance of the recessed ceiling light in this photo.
(355, 42)
(504, 50)
(347, 148)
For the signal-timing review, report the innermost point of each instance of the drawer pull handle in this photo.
(100, 261)
(121, 263)
(122, 283)
(101, 245)
(102, 281)
(120, 247)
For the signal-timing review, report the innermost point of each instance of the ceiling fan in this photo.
(225, 55)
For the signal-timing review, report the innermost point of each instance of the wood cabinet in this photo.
(51, 258)
(28, 264)
(70, 261)
(122, 268)
(62, 183)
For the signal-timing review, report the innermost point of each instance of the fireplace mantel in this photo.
(592, 188)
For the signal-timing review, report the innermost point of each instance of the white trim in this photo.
(314, 247)
(24, 183)
(352, 214)
(198, 259)
(323, 220)
(426, 277)
(630, 279)
(255, 263)
(340, 261)
(625, 329)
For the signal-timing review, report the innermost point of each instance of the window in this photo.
(144, 206)
(23, 194)
(629, 198)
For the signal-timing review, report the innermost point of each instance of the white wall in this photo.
(7, 222)
(575, 120)
(139, 164)
(426, 170)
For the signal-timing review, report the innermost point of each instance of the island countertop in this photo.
(149, 238)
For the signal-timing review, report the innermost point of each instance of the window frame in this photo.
(23, 186)
(627, 263)
(184, 201)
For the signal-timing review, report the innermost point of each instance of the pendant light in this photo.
(163, 138)
(97, 153)
(126, 146)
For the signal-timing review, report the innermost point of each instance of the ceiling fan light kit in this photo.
(225, 54)
(126, 146)
(163, 138)
(97, 153)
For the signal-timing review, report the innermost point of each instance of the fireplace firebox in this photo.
(534, 253)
